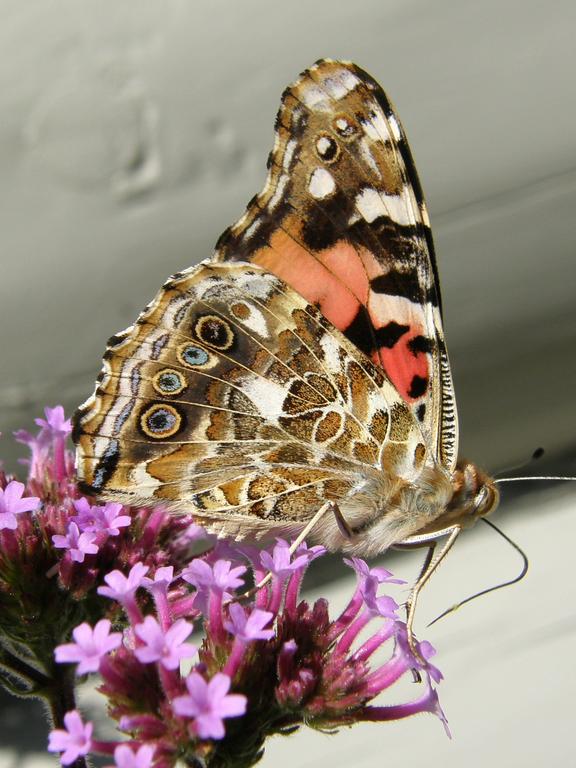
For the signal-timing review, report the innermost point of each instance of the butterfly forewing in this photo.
(342, 220)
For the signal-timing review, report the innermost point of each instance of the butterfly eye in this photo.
(169, 382)
(214, 331)
(327, 148)
(345, 127)
(160, 421)
(486, 499)
(192, 356)
(481, 505)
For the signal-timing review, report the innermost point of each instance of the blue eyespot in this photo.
(169, 382)
(194, 355)
(160, 421)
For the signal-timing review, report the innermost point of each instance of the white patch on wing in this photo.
(321, 184)
(249, 231)
(342, 124)
(404, 312)
(376, 128)
(278, 192)
(146, 348)
(89, 405)
(288, 154)
(173, 307)
(100, 444)
(256, 285)
(367, 156)
(399, 208)
(323, 145)
(140, 478)
(125, 382)
(255, 321)
(396, 132)
(107, 426)
(315, 98)
(340, 86)
(331, 348)
(267, 396)
(370, 204)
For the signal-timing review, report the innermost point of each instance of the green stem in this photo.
(19, 669)
(60, 698)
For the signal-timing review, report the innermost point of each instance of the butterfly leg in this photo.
(431, 563)
(329, 506)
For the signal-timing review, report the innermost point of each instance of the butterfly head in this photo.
(475, 495)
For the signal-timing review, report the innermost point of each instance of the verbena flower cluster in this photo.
(197, 665)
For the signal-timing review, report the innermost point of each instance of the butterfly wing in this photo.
(343, 221)
(233, 398)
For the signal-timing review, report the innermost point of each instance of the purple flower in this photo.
(121, 587)
(34, 442)
(90, 646)
(311, 552)
(163, 577)
(220, 576)
(209, 704)
(78, 544)
(280, 562)
(39, 446)
(194, 533)
(250, 627)
(377, 575)
(75, 741)
(125, 757)
(368, 581)
(55, 422)
(213, 584)
(425, 650)
(94, 518)
(12, 504)
(166, 647)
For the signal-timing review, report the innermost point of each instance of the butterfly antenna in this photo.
(536, 454)
(515, 580)
(532, 477)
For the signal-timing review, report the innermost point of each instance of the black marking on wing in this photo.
(395, 283)
(418, 386)
(327, 222)
(361, 332)
(421, 344)
(104, 469)
(388, 335)
(404, 150)
(237, 247)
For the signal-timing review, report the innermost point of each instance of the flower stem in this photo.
(59, 696)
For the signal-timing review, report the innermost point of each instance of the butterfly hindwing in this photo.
(343, 221)
(234, 399)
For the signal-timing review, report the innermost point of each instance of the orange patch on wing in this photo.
(334, 279)
(337, 281)
(401, 365)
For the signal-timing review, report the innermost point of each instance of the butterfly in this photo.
(298, 380)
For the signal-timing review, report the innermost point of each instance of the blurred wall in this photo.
(133, 133)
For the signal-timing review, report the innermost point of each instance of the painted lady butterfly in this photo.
(303, 368)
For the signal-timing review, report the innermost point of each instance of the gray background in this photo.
(132, 133)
